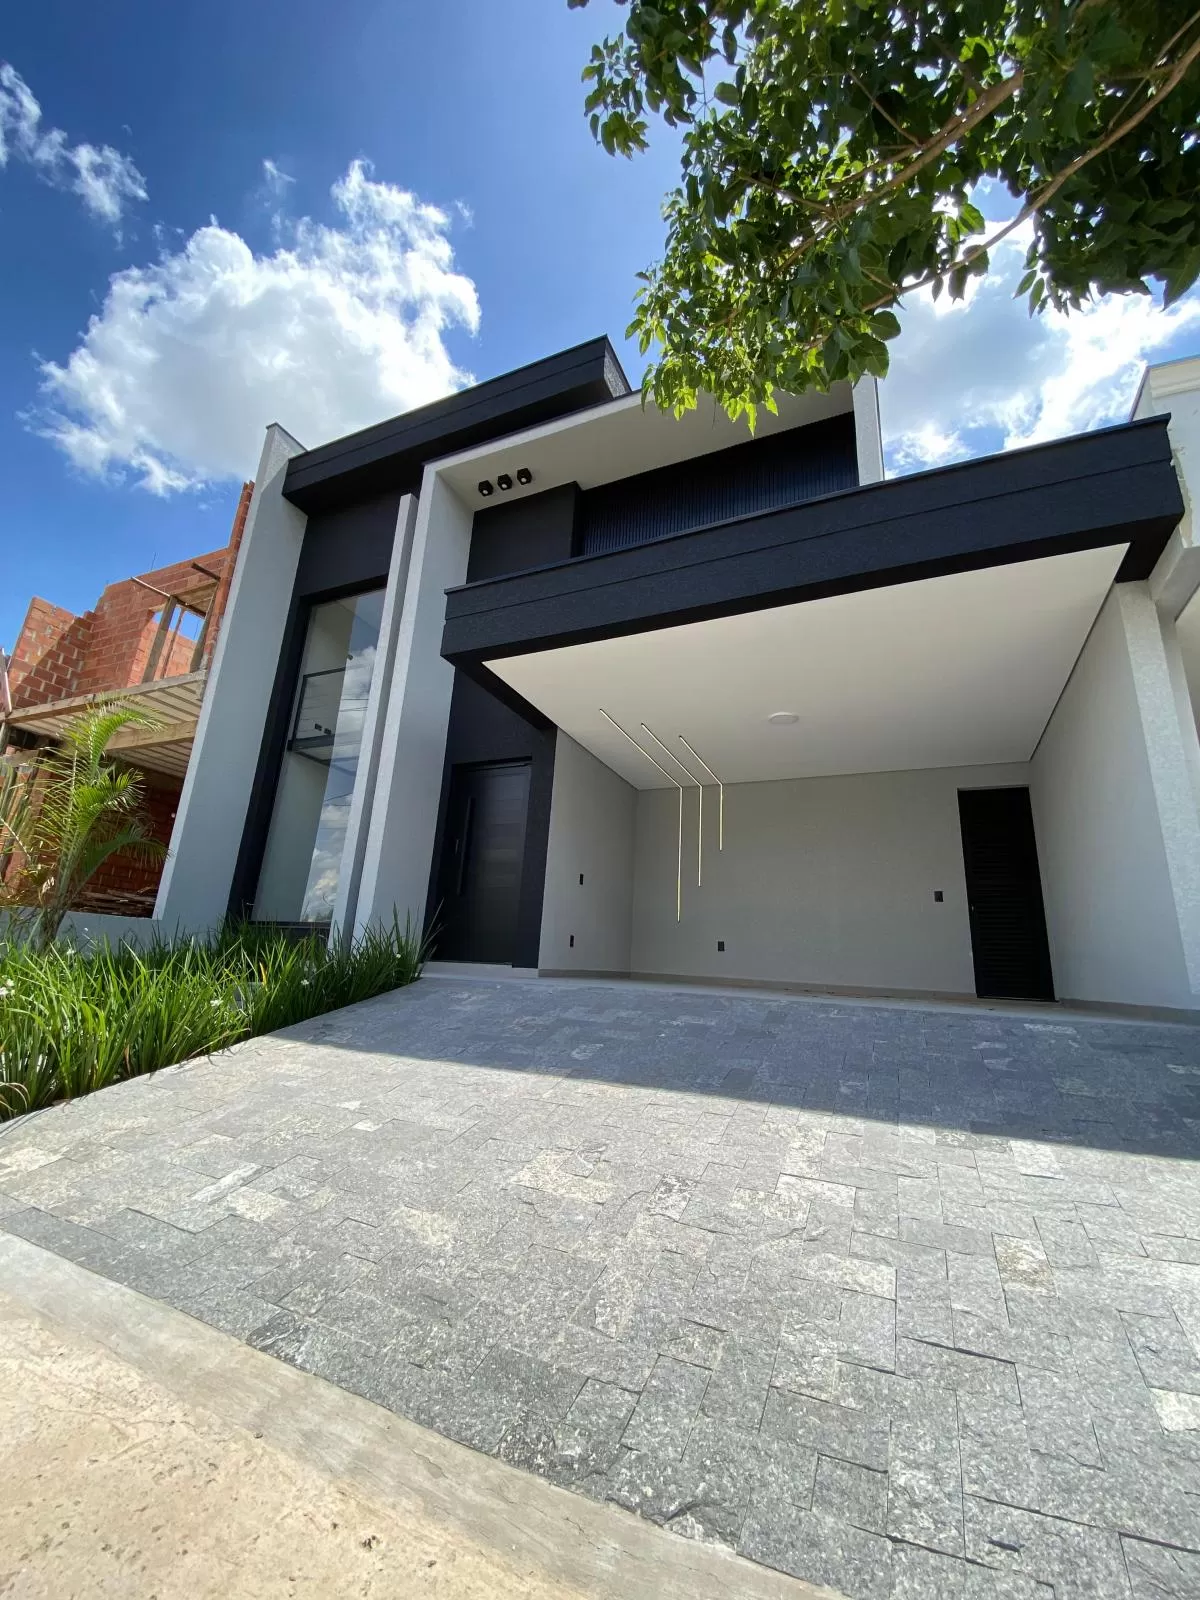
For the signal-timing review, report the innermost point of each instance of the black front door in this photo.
(479, 885)
(1004, 893)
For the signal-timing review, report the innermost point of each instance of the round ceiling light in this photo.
(783, 719)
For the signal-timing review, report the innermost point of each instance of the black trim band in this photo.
(1116, 486)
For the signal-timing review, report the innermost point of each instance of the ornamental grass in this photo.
(72, 1021)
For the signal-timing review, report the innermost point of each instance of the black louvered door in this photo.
(1004, 893)
(480, 878)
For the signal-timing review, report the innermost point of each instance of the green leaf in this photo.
(802, 210)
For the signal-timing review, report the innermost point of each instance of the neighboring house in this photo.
(602, 691)
(148, 640)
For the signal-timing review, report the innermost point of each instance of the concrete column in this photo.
(868, 431)
(399, 846)
(194, 892)
(363, 799)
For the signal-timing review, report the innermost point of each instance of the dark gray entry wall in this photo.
(483, 730)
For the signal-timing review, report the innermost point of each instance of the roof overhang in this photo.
(622, 439)
(174, 703)
(392, 454)
(1115, 487)
(962, 670)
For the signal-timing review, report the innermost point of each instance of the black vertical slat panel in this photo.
(762, 475)
(1004, 893)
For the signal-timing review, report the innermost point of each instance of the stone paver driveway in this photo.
(905, 1301)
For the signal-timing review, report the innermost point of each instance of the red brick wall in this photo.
(48, 653)
(58, 656)
(221, 598)
(123, 874)
(124, 626)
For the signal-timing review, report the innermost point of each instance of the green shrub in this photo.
(72, 1022)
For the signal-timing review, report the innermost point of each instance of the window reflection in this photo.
(303, 858)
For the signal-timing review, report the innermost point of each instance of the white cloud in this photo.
(104, 179)
(275, 179)
(190, 358)
(981, 374)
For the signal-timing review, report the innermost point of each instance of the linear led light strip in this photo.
(694, 779)
(696, 756)
(720, 788)
(679, 786)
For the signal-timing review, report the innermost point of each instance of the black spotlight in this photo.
(524, 476)
(503, 481)
(485, 487)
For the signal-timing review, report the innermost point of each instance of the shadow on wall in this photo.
(1103, 1084)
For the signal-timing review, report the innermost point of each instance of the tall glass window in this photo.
(307, 837)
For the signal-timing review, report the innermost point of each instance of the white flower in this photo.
(5, 989)
(304, 983)
(214, 1002)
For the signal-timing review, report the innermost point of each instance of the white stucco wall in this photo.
(194, 890)
(592, 819)
(1116, 819)
(823, 881)
(403, 821)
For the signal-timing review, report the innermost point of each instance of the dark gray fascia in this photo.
(1114, 486)
(391, 454)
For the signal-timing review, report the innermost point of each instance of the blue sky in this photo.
(433, 209)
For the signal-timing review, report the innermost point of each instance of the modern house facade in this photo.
(591, 689)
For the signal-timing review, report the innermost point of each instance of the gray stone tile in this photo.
(982, 1336)
(866, 1331)
(820, 1549)
(852, 1493)
(1079, 1563)
(588, 1440)
(946, 1236)
(1057, 1417)
(1128, 1495)
(666, 1409)
(955, 1369)
(1165, 1355)
(806, 1361)
(930, 1575)
(832, 1430)
(85, 1246)
(924, 1472)
(994, 1450)
(763, 1270)
(736, 1393)
(1158, 1572)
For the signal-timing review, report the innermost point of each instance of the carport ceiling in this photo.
(953, 671)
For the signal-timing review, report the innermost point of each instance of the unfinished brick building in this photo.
(149, 639)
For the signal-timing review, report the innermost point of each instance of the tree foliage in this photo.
(831, 149)
(64, 814)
